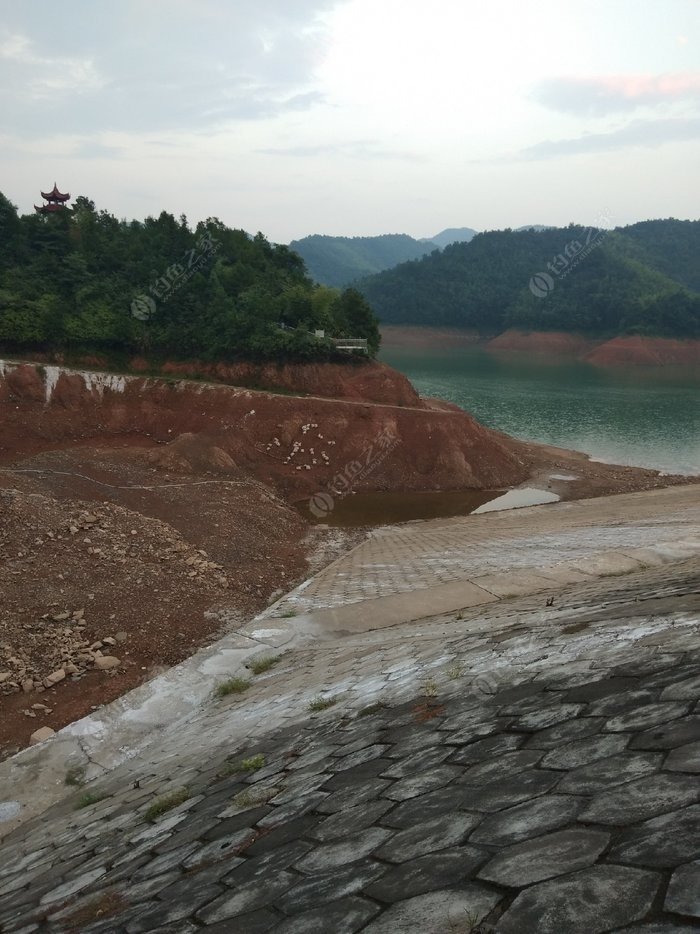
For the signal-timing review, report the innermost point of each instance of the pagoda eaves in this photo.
(56, 201)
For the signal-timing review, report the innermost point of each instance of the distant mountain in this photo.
(338, 261)
(452, 235)
(642, 279)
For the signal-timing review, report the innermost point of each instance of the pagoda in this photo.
(56, 201)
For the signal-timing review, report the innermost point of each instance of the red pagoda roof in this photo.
(54, 195)
(48, 208)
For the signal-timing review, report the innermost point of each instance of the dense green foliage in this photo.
(635, 280)
(68, 281)
(338, 261)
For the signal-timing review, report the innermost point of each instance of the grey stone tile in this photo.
(688, 689)
(529, 819)
(683, 895)
(342, 917)
(366, 754)
(505, 766)
(659, 927)
(596, 690)
(549, 716)
(553, 854)
(677, 733)
(684, 758)
(440, 911)
(330, 886)
(274, 838)
(193, 896)
(584, 751)
(253, 922)
(617, 704)
(248, 897)
(587, 902)
(429, 836)
(605, 773)
(329, 856)
(488, 748)
(666, 841)
(565, 732)
(432, 804)
(166, 861)
(345, 823)
(641, 799)
(428, 873)
(221, 848)
(295, 808)
(419, 761)
(353, 794)
(268, 865)
(419, 784)
(76, 883)
(645, 716)
(247, 818)
(507, 792)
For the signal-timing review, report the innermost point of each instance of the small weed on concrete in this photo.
(90, 797)
(259, 665)
(232, 686)
(249, 799)
(455, 672)
(322, 703)
(429, 688)
(244, 765)
(165, 803)
(75, 776)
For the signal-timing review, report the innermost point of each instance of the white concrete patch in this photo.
(9, 810)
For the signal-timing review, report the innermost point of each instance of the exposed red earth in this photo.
(618, 351)
(141, 517)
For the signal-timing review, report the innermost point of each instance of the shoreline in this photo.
(599, 351)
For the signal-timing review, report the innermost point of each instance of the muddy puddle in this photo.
(367, 509)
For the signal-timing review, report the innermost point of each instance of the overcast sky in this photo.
(355, 117)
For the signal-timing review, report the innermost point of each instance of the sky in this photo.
(355, 117)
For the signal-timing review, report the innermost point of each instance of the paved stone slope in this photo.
(558, 795)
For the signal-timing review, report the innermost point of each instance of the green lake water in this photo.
(642, 416)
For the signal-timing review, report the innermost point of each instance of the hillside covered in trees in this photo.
(340, 261)
(642, 279)
(80, 280)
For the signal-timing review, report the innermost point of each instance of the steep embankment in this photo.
(542, 342)
(646, 351)
(298, 443)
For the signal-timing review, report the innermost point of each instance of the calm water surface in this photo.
(642, 416)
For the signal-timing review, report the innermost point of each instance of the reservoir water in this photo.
(642, 416)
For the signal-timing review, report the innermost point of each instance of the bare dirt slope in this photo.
(140, 518)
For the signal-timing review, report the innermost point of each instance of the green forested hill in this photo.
(632, 280)
(338, 261)
(82, 280)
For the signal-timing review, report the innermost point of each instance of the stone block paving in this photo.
(424, 554)
(563, 800)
